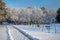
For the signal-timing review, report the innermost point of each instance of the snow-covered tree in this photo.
(52, 15)
(31, 15)
(45, 14)
(36, 15)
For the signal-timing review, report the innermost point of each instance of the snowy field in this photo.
(30, 32)
(36, 32)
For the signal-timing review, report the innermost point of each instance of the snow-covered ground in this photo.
(3, 34)
(41, 35)
(33, 31)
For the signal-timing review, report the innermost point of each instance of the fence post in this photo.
(55, 28)
(42, 27)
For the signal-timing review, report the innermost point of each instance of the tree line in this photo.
(28, 15)
(31, 15)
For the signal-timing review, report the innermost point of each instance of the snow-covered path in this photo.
(17, 34)
(8, 32)
(3, 34)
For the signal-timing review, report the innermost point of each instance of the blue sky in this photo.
(55, 4)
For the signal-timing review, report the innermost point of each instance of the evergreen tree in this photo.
(2, 10)
(2, 6)
(58, 16)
